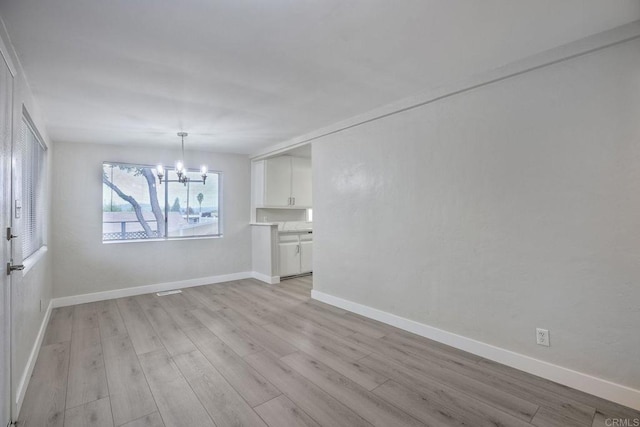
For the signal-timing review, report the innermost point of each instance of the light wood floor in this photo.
(246, 353)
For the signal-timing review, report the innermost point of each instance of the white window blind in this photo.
(33, 201)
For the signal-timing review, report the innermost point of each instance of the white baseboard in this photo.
(589, 384)
(272, 280)
(147, 289)
(23, 383)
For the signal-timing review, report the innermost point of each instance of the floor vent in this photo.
(161, 294)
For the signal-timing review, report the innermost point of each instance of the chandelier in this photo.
(181, 172)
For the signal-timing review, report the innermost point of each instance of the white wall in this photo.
(35, 286)
(83, 264)
(505, 208)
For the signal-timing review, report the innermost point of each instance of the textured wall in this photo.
(83, 264)
(493, 212)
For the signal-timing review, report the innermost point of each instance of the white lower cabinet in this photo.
(306, 256)
(296, 253)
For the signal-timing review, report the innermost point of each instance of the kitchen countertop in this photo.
(288, 227)
(298, 230)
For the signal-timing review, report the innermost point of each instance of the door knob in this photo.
(9, 235)
(11, 268)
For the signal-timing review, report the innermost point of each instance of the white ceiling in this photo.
(240, 75)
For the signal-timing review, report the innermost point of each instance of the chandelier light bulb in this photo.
(203, 170)
(160, 173)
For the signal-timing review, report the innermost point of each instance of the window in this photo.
(33, 200)
(135, 206)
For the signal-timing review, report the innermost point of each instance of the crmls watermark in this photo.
(622, 422)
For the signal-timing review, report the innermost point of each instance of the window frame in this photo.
(167, 208)
(40, 220)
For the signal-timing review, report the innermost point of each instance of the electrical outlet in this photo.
(542, 337)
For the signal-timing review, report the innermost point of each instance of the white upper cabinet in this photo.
(301, 181)
(283, 181)
(277, 181)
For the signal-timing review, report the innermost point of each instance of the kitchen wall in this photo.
(31, 291)
(489, 213)
(83, 264)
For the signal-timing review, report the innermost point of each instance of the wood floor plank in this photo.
(257, 333)
(182, 300)
(169, 332)
(265, 296)
(298, 340)
(337, 327)
(184, 317)
(551, 418)
(333, 309)
(281, 411)
(188, 300)
(373, 323)
(203, 296)
(429, 412)
(177, 403)
(600, 420)
(354, 370)
(228, 333)
(319, 404)
(140, 331)
(412, 338)
(93, 414)
(148, 301)
(348, 367)
(85, 316)
(261, 298)
(109, 319)
(274, 290)
(87, 376)
(44, 402)
(60, 326)
(130, 395)
(425, 372)
(245, 380)
(343, 345)
(350, 324)
(420, 346)
(307, 334)
(151, 420)
(258, 314)
(429, 408)
(224, 405)
(294, 287)
(216, 288)
(360, 400)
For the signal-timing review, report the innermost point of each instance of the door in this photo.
(6, 103)
(306, 256)
(278, 181)
(301, 181)
(289, 258)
